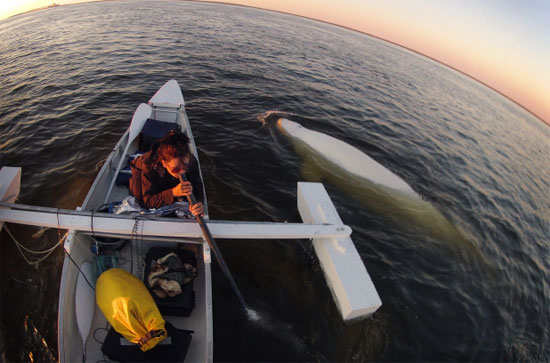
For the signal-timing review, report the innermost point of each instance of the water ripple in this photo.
(73, 75)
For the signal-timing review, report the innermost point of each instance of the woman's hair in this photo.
(175, 144)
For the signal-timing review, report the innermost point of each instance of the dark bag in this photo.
(172, 349)
(179, 305)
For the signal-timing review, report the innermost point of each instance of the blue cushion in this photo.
(154, 130)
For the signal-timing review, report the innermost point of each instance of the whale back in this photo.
(326, 159)
(345, 156)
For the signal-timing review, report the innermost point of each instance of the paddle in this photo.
(142, 113)
(214, 247)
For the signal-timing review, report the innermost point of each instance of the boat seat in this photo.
(123, 177)
(179, 305)
(172, 349)
(152, 131)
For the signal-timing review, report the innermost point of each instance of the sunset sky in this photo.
(503, 43)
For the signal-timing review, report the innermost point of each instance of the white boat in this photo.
(82, 324)
(167, 105)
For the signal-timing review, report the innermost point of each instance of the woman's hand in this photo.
(197, 209)
(183, 189)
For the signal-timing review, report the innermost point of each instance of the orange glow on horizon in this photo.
(474, 49)
(10, 8)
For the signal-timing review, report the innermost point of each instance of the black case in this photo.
(173, 352)
(182, 304)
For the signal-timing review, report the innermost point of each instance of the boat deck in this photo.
(132, 259)
(132, 256)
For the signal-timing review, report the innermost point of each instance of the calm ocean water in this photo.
(72, 76)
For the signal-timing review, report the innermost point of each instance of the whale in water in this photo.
(326, 158)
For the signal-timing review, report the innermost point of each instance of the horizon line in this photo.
(509, 98)
(540, 118)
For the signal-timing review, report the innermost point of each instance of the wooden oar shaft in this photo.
(214, 248)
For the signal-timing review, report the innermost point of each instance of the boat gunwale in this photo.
(119, 150)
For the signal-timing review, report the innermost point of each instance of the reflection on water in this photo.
(72, 77)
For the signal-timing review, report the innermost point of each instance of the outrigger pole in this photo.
(352, 288)
(161, 228)
(214, 247)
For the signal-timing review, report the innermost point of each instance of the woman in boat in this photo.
(155, 174)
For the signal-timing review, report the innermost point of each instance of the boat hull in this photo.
(72, 345)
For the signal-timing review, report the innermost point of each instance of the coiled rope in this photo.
(47, 252)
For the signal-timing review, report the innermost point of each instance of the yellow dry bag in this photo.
(130, 308)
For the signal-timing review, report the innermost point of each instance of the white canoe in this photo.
(82, 324)
(166, 105)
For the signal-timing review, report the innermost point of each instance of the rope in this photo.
(58, 229)
(138, 239)
(79, 270)
(93, 234)
(48, 251)
(104, 360)
(132, 240)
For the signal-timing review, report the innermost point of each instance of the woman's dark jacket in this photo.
(151, 184)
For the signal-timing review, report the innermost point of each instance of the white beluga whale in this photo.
(345, 156)
(326, 158)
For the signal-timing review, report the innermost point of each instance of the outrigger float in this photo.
(80, 318)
